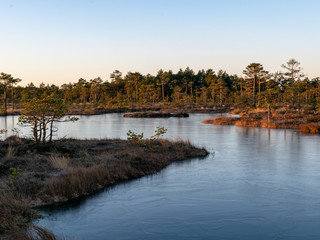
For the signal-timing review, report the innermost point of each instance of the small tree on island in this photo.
(41, 114)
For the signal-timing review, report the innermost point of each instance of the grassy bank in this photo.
(33, 175)
(306, 123)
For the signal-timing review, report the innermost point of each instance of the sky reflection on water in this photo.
(256, 184)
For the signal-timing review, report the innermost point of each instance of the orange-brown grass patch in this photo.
(307, 123)
(313, 128)
(237, 111)
(248, 123)
(222, 121)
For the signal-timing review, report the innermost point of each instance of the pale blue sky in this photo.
(59, 41)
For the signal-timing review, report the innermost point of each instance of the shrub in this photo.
(159, 132)
(132, 136)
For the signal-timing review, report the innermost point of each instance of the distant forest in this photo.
(256, 88)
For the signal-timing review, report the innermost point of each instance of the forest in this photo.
(256, 88)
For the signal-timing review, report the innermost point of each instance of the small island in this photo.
(43, 171)
(156, 115)
(35, 175)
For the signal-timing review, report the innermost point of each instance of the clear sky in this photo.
(59, 41)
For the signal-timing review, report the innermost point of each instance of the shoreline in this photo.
(36, 176)
(99, 111)
(304, 123)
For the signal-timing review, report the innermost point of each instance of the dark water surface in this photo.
(256, 184)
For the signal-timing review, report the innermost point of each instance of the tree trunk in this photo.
(12, 99)
(5, 100)
(269, 112)
(40, 132)
(44, 134)
(51, 133)
(162, 85)
(220, 92)
(254, 91)
(213, 96)
(259, 92)
(35, 132)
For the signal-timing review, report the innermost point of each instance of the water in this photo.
(256, 184)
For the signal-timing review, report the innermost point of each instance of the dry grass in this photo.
(237, 111)
(313, 128)
(70, 168)
(77, 181)
(222, 121)
(59, 162)
(14, 212)
(30, 232)
(137, 160)
(11, 151)
(285, 120)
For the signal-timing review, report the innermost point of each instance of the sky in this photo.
(60, 41)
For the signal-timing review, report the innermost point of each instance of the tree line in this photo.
(255, 88)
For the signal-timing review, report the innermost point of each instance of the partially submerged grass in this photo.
(70, 168)
(307, 123)
(222, 121)
(313, 128)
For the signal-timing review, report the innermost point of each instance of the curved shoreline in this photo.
(70, 169)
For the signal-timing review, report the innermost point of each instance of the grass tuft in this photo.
(59, 162)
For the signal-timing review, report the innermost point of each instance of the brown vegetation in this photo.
(222, 121)
(155, 115)
(32, 175)
(306, 123)
(14, 212)
(91, 109)
(313, 128)
(30, 232)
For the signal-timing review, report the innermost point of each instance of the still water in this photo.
(255, 184)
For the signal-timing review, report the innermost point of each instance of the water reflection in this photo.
(259, 184)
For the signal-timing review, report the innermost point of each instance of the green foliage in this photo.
(8, 82)
(2, 131)
(205, 88)
(132, 136)
(40, 114)
(159, 132)
(14, 172)
(136, 137)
